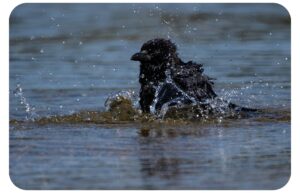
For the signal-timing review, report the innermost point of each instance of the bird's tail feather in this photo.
(239, 108)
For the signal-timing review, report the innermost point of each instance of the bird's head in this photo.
(156, 51)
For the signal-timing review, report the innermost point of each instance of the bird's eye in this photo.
(144, 51)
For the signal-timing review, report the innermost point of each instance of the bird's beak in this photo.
(140, 56)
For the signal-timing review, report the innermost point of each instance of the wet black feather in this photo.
(162, 60)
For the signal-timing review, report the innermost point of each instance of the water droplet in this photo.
(217, 19)
(23, 101)
(220, 119)
(80, 43)
(61, 106)
(33, 58)
(270, 33)
(41, 51)
(77, 99)
(63, 42)
(166, 22)
(286, 58)
(57, 25)
(123, 26)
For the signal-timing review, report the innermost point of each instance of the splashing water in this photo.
(163, 107)
(124, 94)
(171, 101)
(30, 111)
(123, 107)
(169, 97)
(164, 97)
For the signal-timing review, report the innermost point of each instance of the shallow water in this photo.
(69, 58)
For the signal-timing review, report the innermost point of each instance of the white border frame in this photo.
(8, 5)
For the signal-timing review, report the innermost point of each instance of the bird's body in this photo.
(190, 78)
(149, 79)
(166, 79)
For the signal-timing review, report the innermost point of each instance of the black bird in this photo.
(166, 79)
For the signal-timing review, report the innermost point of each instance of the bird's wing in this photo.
(190, 78)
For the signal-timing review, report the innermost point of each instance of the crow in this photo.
(166, 79)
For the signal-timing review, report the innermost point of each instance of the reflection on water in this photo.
(66, 60)
(193, 160)
(182, 157)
